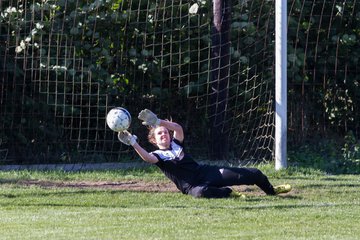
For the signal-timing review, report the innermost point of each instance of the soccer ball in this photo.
(118, 119)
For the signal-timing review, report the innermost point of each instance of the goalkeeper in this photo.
(198, 180)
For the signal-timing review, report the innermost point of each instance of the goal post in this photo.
(280, 84)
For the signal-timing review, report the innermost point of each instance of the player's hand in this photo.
(149, 118)
(127, 138)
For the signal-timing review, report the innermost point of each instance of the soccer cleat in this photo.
(285, 188)
(235, 194)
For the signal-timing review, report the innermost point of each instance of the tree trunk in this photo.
(220, 68)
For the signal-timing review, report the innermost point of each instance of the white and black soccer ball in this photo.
(118, 119)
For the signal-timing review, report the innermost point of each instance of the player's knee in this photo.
(259, 176)
(257, 173)
(198, 192)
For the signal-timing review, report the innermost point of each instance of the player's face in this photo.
(162, 137)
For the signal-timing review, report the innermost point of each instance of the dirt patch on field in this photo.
(125, 185)
(142, 186)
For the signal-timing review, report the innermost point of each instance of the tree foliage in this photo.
(118, 52)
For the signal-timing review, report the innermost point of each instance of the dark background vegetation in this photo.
(110, 64)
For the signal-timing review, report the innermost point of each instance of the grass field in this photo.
(320, 206)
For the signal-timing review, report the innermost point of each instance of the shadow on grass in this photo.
(93, 198)
(221, 205)
(324, 186)
(62, 192)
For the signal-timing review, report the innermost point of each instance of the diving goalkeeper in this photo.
(190, 177)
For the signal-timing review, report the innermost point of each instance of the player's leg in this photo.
(244, 176)
(226, 176)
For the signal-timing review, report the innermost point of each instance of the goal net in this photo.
(65, 63)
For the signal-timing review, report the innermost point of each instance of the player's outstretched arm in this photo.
(145, 155)
(130, 140)
(150, 119)
(175, 127)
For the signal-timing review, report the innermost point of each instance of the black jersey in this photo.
(182, 172)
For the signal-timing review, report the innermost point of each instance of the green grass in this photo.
(320, 207)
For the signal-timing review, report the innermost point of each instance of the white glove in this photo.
(127, 138)
(149, 118)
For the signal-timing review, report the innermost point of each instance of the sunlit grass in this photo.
(320, 206)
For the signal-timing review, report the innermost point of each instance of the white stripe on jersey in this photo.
(170, 154)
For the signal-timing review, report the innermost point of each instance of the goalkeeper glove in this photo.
(149, 118)
(127, 138)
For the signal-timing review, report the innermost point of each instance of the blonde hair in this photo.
(151, 135)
